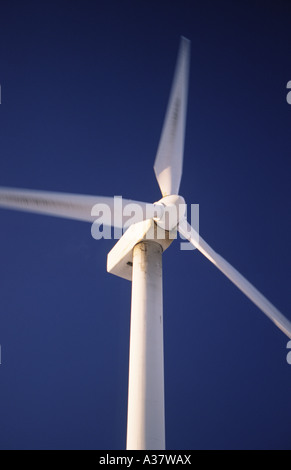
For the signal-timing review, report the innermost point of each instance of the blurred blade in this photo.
(240, 281)
(115, 211)
(169, 160)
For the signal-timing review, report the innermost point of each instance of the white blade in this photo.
(240, 281)
(74, 206)
(169, 159)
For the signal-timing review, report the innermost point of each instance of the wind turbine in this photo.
(137, 256)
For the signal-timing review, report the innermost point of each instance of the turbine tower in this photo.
(137, 257)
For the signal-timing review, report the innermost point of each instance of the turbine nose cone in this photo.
(174, 210)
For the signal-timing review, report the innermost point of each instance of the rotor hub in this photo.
(173, 210)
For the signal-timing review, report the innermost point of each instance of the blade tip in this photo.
(185, 40)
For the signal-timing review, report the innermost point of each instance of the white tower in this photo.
(137, 256)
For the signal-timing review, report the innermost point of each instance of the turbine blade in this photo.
(240, 281)
(76, 206)
(169, 159)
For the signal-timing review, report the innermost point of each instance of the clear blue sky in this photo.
(85, 86)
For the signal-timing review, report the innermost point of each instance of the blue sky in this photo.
(84, 91)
